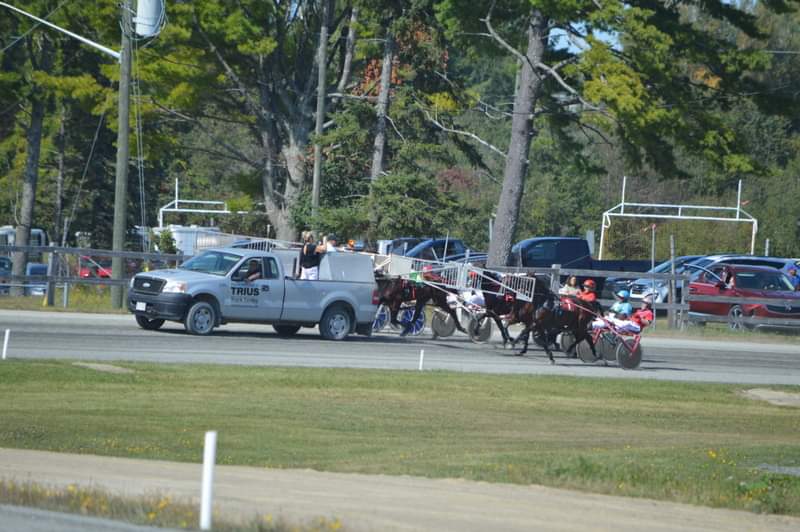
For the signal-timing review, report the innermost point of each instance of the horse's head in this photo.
(389, 285)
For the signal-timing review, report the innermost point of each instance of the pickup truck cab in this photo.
(213, 288)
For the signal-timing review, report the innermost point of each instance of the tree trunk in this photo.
(59, 207)
(519, 147)
(383, 105)
(349, 51)
(34, 143)
(322, 89)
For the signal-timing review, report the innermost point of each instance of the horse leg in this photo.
(588, 338)
(575, 343)
(394, 310)
(524, 335)
(452, 313)
(503, 330)
(547, 350)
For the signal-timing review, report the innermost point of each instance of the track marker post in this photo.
(206, 496)
(5, 342)
(421, 358)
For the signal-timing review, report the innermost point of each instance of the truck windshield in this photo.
(213, 262)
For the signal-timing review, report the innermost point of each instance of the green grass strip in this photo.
(686, 442)
(152, 510)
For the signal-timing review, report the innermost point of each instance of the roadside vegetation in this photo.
(686, 442)
(153, 510)
(81, 299)
(721, 331)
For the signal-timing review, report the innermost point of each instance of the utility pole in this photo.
(123, 134)
(322, 89)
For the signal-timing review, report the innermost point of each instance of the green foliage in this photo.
(166, 242)
(681, 91)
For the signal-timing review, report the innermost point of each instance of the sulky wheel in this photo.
(607, 347)
(565, 341)
(584, 351)
(442, 324)
(381, 318)
(479, 328)
(627, 356)
(418, 326)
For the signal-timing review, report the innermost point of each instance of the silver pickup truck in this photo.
(212, 289)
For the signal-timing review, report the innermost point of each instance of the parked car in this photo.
(439, 249)
(399, 246)
(745, 260)
(88, 267)
(761, 282)
(5, 273)
(571, 253)
(639, 288)
(35, 288)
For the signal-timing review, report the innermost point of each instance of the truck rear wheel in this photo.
(336, 323)
(150, 325)
(286, 330)
(201, 318)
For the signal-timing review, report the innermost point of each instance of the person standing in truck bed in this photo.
(310, 257)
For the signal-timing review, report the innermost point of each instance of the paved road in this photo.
(117, 337)
(379, 502)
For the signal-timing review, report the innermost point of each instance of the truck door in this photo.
(261, 298)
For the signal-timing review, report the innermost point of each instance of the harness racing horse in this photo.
(550, 318)
(498, 304)
(394, 291)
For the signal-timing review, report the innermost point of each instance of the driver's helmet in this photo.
(623, 295)
(589, 284)
(427, 268)
(648, 300)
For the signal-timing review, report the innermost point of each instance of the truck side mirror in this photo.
(237, 276)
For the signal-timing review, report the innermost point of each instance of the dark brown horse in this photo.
(393, 292)
(550, 318)
(499, 303)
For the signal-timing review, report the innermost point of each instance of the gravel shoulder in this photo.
(378, 502)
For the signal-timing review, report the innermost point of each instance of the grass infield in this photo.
(686, 442)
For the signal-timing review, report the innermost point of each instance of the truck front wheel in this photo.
(335, 323)
(201, 318)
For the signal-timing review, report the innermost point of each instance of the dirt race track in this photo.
(381, 503)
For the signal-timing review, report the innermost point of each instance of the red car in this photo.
(88, 267)
(760, 282)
